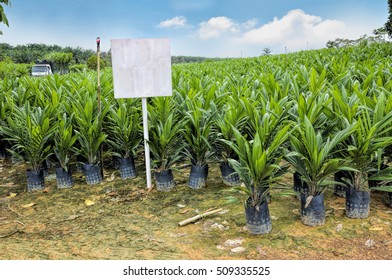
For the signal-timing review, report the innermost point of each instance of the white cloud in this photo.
(176, 22)
(216, 27)
(295, 30)
(249, 24)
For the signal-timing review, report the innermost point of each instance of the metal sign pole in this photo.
(146, 146)
(98, 41)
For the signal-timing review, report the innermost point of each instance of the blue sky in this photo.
(213, 28)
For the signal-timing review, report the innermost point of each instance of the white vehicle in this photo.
(41, 70)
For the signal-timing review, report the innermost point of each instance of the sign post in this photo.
(146, 147)
(98, 41)
(142, 69)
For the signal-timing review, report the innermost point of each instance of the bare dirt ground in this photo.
(118, 219)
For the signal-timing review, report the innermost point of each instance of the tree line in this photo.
(35, 52)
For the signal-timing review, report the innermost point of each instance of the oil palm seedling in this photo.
(267, 114)
(314, 157)
(364, 148)
(2, 119)
(29, 130)
(8, 87)
(124, 135)
(88, 128)
(232, 116)
(258, 166)
(64, 149)
(345, 107)
(165, 140)
(312, 103)
(199, 135)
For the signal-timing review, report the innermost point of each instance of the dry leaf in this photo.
(308, 200)
(11, 195)
(112, 194)
(376, 228)
(45, 190)
(89, 202)
(29, 205)
(184, 211)
(150, 189)
(111, 179)
(180, 205)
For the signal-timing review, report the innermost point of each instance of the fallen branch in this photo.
(70, 218)
(17, 213)
(198, 217)
(15, 230)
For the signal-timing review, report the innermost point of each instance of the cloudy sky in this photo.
(213, 28)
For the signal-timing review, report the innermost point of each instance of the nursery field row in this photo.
(325, 115)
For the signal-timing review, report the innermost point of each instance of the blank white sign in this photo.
(141, 67)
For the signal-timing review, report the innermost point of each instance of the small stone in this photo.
(234, 242)
(261, 251)
(207, 225)
(370, 243)
(220, 247)
(274, 218)
(238, 250)
(217, 226)
(181, 205)
(295, 211)
(339, 227)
